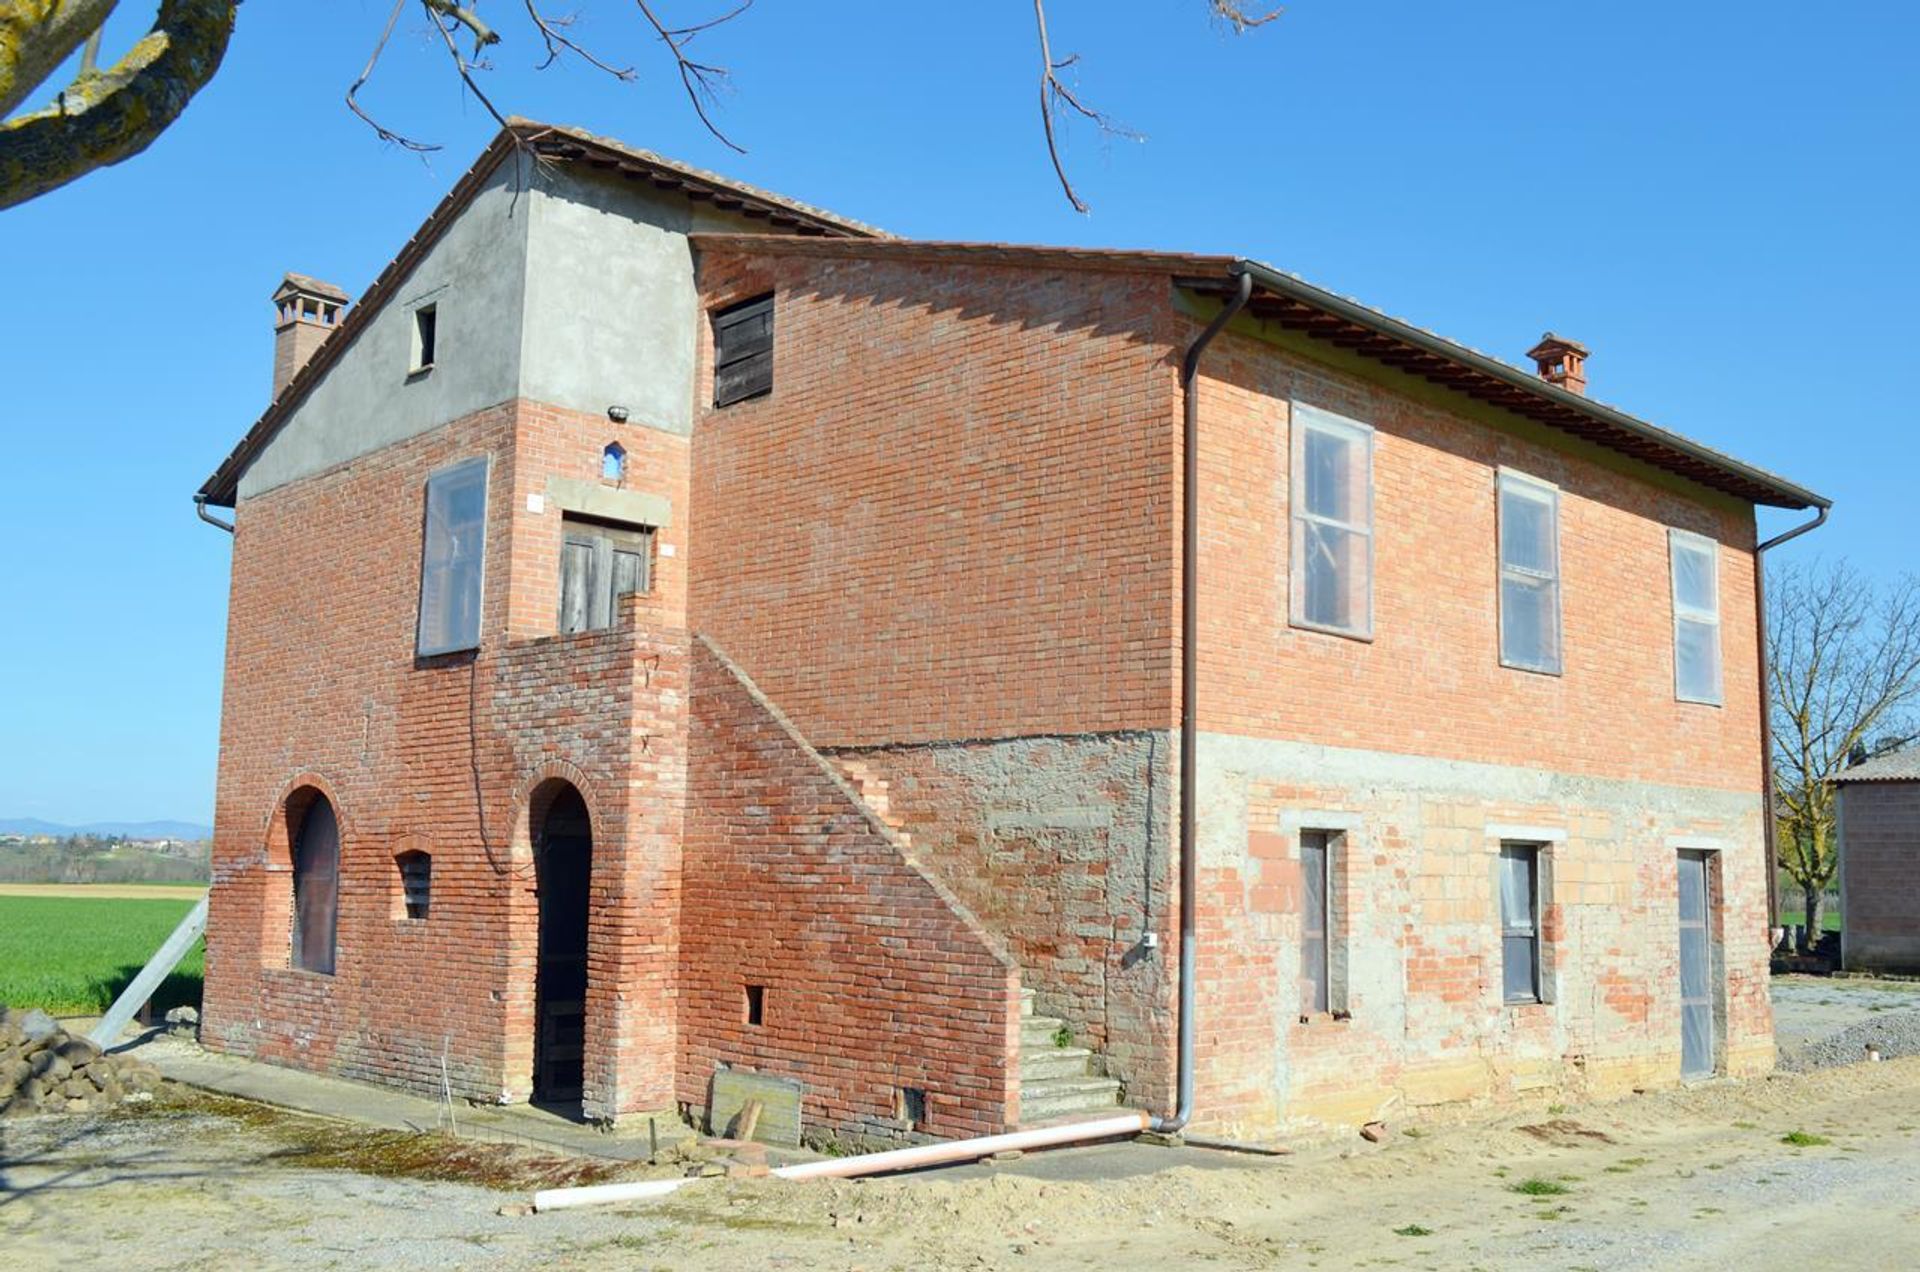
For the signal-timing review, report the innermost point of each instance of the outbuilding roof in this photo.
(1895, 766)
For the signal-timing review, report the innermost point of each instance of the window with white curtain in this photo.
(1332, 502)
(1696, 617)
(452, 558)
(1529, 535)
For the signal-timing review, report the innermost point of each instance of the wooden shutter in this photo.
(743, 351)
(599, 564)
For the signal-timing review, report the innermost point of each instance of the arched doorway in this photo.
(563, 866)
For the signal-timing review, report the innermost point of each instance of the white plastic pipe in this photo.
(1130, 1123)
(602, 1194)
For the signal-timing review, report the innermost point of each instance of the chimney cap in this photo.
(1551, 344)
(306, 286)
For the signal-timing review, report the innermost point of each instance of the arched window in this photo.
(316, 887)
(613, 462)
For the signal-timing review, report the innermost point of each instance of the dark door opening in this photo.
(563, 865)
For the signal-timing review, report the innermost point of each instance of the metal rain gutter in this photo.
(1766, 714)
(200, 510)
(1189, 686)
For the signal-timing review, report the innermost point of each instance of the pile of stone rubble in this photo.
(45, 1069)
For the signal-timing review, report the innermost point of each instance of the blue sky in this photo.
(1720, 198)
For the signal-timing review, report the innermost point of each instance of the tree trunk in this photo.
(1814, 894)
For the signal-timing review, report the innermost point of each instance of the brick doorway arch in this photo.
(563, 868)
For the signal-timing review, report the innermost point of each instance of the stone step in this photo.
(1026, 1002)
(1055, 1062)
(1052, 1098)
(1038, 1031)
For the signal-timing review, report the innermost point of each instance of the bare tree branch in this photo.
(1237, 17)
(353, 101)
(551, 30)
(104, 117)
(36, 36)
(483, 35)
(701, 80)
(1845, 679)
(461, 66)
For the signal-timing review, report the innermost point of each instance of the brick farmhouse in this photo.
(677, 632)
(1879, 833)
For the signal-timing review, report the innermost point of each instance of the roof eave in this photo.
(1784, 494)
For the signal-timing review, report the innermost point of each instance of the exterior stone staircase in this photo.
(1058, 1082)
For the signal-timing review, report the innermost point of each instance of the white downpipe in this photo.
(867, 1163)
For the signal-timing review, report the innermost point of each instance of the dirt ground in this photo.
(107, 891)
(1692, 1178)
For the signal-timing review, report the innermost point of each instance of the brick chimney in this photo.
(1562, 362)
(305, 312)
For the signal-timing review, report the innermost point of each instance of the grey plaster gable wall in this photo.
(475, 276)
(613, 311)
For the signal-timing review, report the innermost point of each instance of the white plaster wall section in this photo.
(475, 274)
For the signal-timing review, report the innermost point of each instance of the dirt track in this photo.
(107, 891)
(1692, 1179)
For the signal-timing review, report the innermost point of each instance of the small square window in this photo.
(426, 322)
(756, 1005)
(910, 1106)
(416, 882)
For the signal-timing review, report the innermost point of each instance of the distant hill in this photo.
(128, 830)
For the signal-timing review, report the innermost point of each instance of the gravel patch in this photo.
(1894, 1034)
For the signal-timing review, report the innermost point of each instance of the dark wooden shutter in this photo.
(743, 351)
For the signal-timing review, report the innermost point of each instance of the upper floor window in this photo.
(453, 558)
(613, 462)
(1529, 573)
(1332, 500)
(426, 324)
(599, 563)
(743, 351)
(1696, 617)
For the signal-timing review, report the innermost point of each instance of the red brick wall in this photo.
(875, 977)
(950, 517)
(443, 755)
(1880, 875)
(1430, 681)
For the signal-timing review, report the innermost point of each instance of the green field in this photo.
(71, 955)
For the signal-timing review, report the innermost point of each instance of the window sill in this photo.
(1552, 672)
(1344, 633)
(419, 373)
(1326, 1018)
(1716, 703)
(302, 973)
(1526, 1004)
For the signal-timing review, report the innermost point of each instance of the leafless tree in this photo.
(1844, 656)
(105, 116)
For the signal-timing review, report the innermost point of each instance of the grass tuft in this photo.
(1537, 1187)
(1805, 1139)
(1413, 1230)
